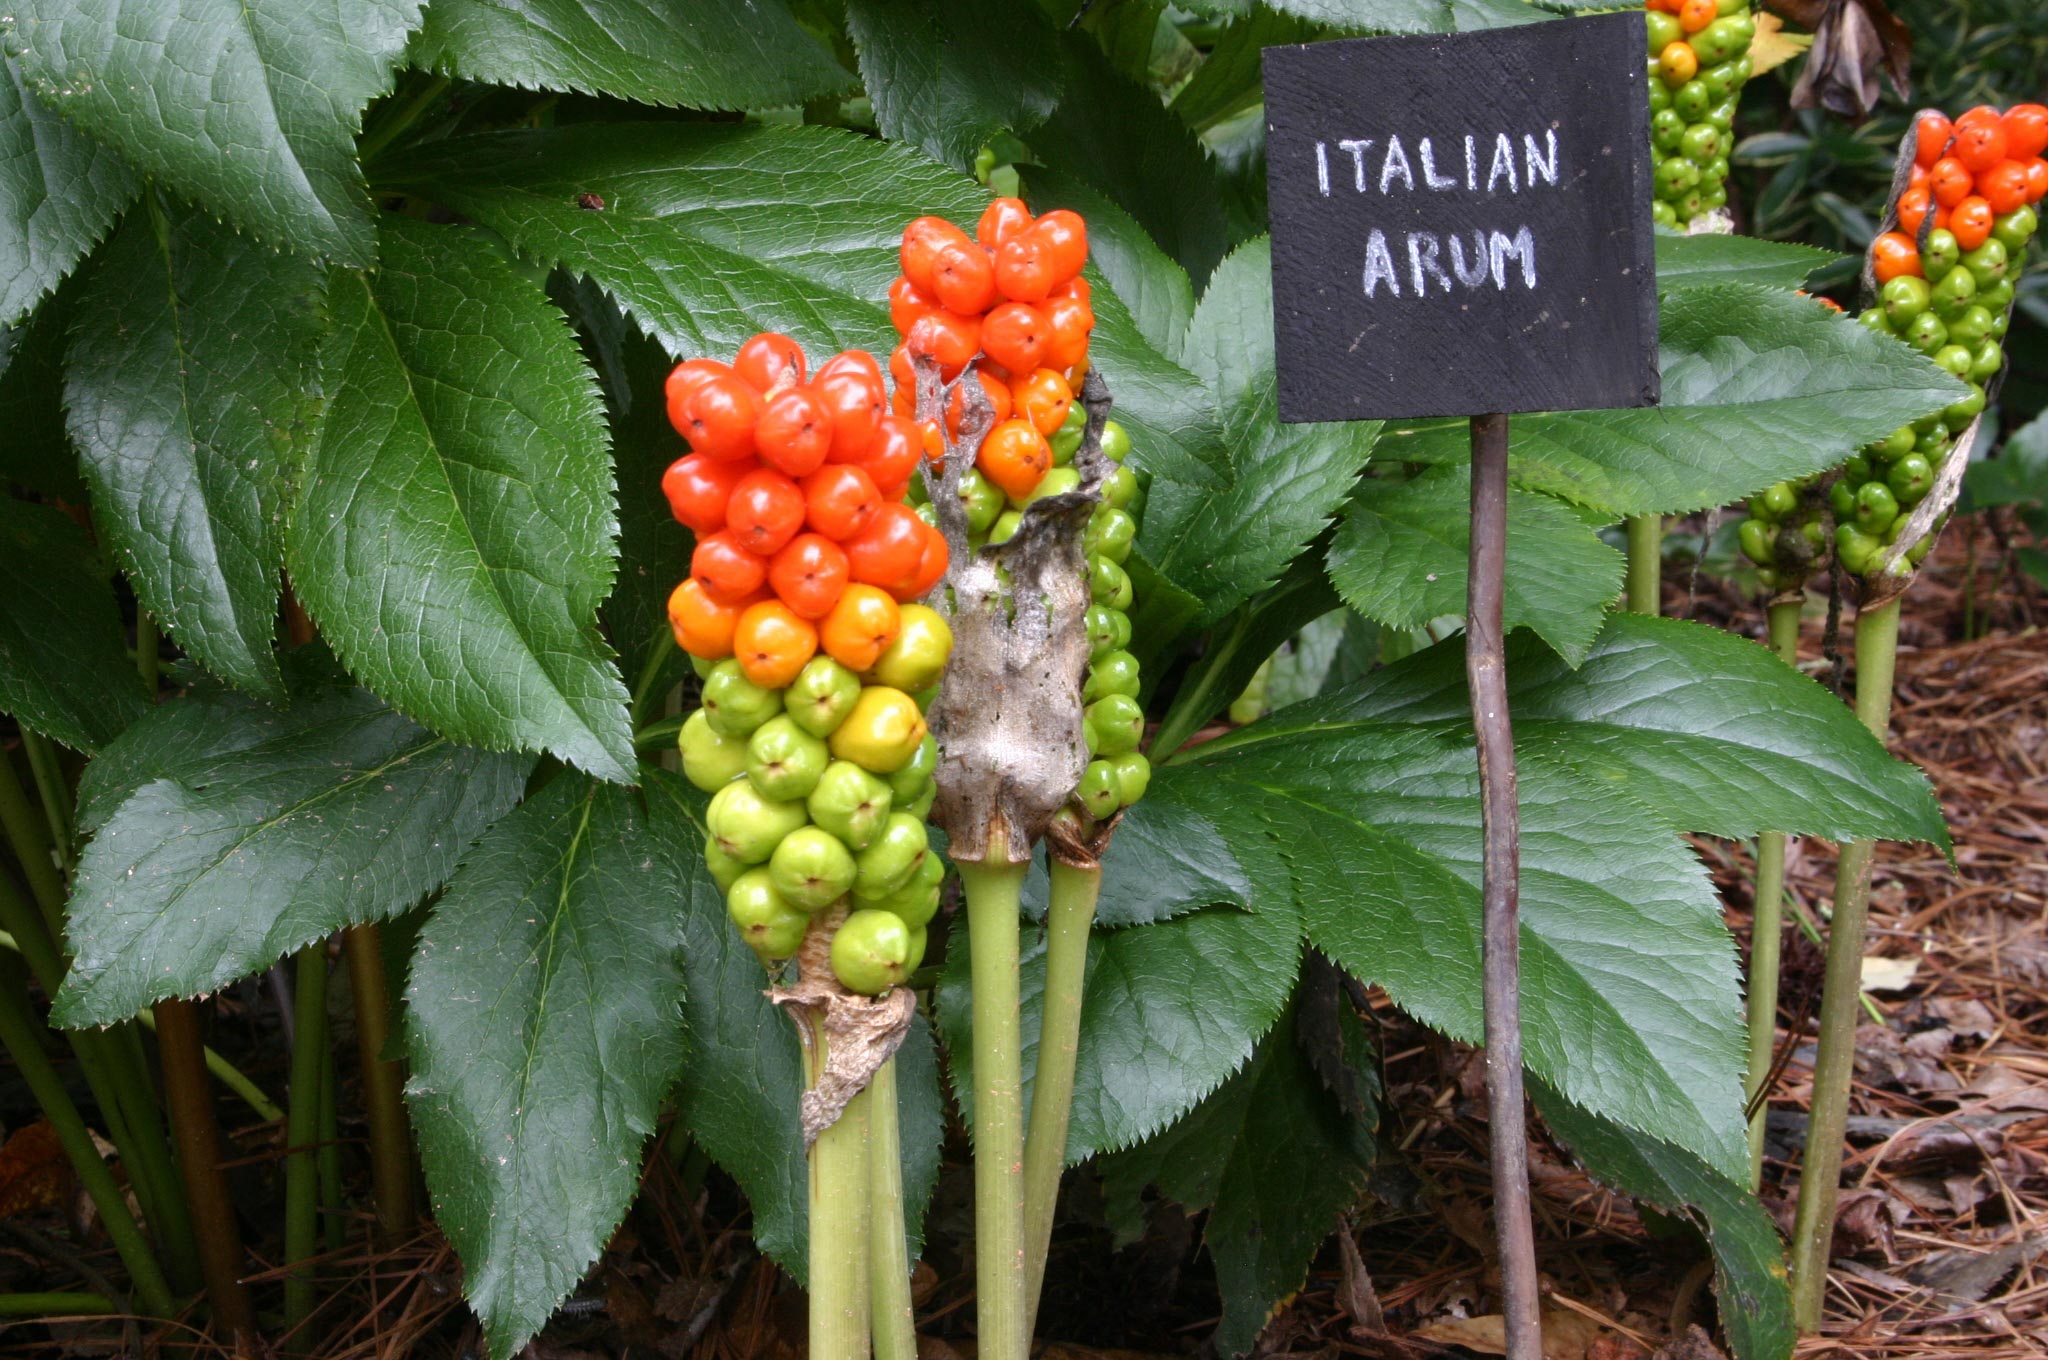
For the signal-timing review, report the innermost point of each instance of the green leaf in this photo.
(249, 107)
(1760, 385)
(709, 54)
(1400, 556)
(654, 550)
(743, 1073)
(946, 78)
(59, 191)
(1274, 1159)
(1689, 261)
(1224, 545)
(1116, 135)
(1707, 727)
(64, 667)
(1414, 16)
(1631, 998)
(1334, 649)
(36, 452)
(1148, 282)
(191, 392)
(544, 1023)
(711, 233)
(1749, 1261)
(1230, 81)
(455, 530)
(228, 834)
(2017, 476)
(1171, 1010)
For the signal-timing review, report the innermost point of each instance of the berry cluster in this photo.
(1945, 279)
(1008, 308)
(798, 614)
(1699, 60)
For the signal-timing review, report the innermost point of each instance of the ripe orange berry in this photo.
(1043, 399)
(765, 511)
(698, 488)
(853, 395)
(839, 500)
(908, 302)
(770, 360)
(1694, 15)
(860, 627)
(992, 387)
(718, 418)
(772, 643)
(1932, 131)
(1024, 271)
(1914, 206)
(703, 627)
(1015, 457)
(2026, 131)
(888, 550)
(794, 432)
(931, 567)
(1951, 181)
(1069, 322)
(922, 240)
(1013, 335)
(1076, 287)
(683, 381)
(1893, 254)
(729, 574)
(948, 337)
(1980, 141)
(2004, 186)
(1064, 238)
(1971, 221)
(964, 278)
(2037, 180)
(808, 575)
(1000, 220)
(895, 456)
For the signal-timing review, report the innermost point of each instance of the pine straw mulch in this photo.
(1942, 1249)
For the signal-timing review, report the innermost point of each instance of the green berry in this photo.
(889, 861)
(767, 921)
(1098, 793)
(784, 761)
(812, 868)
(1117, 722)
(1116, 440)
(1111, 534)
(982, 500)
(1904, 299)
(711, 760)
(851, 803)
(1133, 776)
(735, 705)
(1111, 673)
(871, 952)
(746, 825)
(1109, 584)
(907, 783)
(725, 870)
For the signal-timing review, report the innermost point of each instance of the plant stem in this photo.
(1767, 925)
(1645, 563)
(1486, 675)
(895, 1321)
(228, 1075)
(302, 1128)
(332, 1232)
(54, 1304)
(1813, 1229)
(391, 1175)
(45, 766)
(217, 1236)
(20, 1033)
(1069, 915)
(29, 835)
(994, 888)
(839, 1288)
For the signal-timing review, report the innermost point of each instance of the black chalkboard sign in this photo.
(1461, 224)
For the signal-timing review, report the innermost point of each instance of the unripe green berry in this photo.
(770, 924)
(871, 952)
(735, 705)
(784, 761)
(711, 760)
(812, 868)
(746, 825)
(851, 803)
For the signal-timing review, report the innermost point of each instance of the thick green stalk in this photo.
(45, 767)
(391, 1174)
(215, 1231)
(895, 1321)
(1813, 1229)
(230, 1076)
(1070, 914)
(1645, 563)
(20, 1033)
(994, 889)
(302, 1128)
(839, 1287)
(1767, 925)
(29, 835)
(333, 1227)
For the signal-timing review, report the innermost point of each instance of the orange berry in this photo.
(1064, 238)
(1014, 336)
(770, 361)
(1069, 322)
(765, 511)
(1914, 206)
(1980, 142)
(1893, 254)
(908, 302)
(1970, 221)
(683, 381)
(808, 575)
(922, 240)
(1951, 181)
(860, 627)
(1678, 62)
(992, 387)
(1015, 457)
(1694, 15)
(728, 573)
(772, 643)
(1024, 269)
(964, 278)
(948, 337)
(931, 567)
(2026, 131)
(2004, 186)
(1043, 399)
(719, 417)
(888, 550)
(1000, 220)
(850, 387)
(1932, 130)
(839, 500)
(703, 627)
(895, 456)
(2037, 180)
(698, 489)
